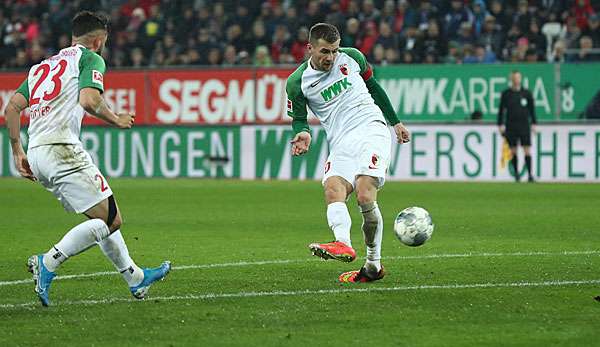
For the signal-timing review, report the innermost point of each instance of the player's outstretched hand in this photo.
(300, 143)
(22, 165)
(125, 120)
(402, 134)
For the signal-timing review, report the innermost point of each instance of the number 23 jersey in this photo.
(52, 89)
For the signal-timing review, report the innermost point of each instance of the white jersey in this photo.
(52, 88)
(339, 98)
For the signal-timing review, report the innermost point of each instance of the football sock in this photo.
(115, 249)
(77, 240)
(339, 221)
(528, 164)
(372, 228)
(515, 164)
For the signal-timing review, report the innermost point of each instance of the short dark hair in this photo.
(323, 31)
(86, 21)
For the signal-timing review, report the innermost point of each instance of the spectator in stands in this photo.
(214, 56)
(292, 21)
(433, 43)
(405, 17)
(465, 34)
(498, 11)
(537, 40)
(350, 36)
(229, 56)
(391, 56)
(299, 48)
(455, 53)
(573, 33)
(425, 13)
(523, 17)
(335, 16)
(582, 10)
(369, 13)
(386, 37)
(593, 30)
(234, 37)
(258, 37)
(558, 52)
(366, 43)
(261, 57)
(409, 43)
(491, 37)
(479, 15)
(137, 57)
(585, 54)
(281, 43)
(456, 17)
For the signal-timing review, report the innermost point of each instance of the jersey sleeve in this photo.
(365, 68)
(91, 71)
(296, 104)
(24, 89)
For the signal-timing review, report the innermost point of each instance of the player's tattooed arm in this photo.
(94, 104)
(15, 106)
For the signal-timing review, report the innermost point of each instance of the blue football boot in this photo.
(150, 276)
(42, 277)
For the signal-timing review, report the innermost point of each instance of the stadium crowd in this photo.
(263, 33)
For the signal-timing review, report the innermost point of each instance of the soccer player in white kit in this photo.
(58, 91)
(337, 84)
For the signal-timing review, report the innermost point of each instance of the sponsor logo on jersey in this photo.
(327, 166)
(290, 106)
(97, 77)
(344, 69)
(335, 89)
(314, 84)
(374, 161)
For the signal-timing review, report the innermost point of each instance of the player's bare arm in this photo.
(301, 143)
(15, 106)
(93, 103)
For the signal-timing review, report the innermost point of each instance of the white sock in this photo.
(339, 221)
(77, 240)
(115, 249)
(373, 231)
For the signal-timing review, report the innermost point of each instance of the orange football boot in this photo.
(333, 250)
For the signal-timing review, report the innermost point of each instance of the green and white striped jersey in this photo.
(339, 98)
(52, 88)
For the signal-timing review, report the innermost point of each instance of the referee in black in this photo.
(516, 120)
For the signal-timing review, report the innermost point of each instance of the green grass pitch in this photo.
(508, 264)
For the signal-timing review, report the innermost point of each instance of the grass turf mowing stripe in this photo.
(290, 261)
(240, 295)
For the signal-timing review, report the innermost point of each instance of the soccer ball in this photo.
(413, 226)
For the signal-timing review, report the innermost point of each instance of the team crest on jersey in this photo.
(290, 106)
(374, 161)
(344, 69)
(97, 77)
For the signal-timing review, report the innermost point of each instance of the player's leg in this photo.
(338, 173)
(337, 190)
(526, 143)
(372, 226)
(114, 248)
(372, 166)
(513, 139)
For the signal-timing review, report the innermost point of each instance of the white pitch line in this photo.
(276, 293)
(291, 261)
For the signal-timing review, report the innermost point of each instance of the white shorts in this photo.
(364, 151)
(69, 173)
